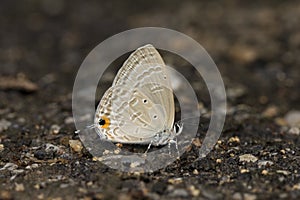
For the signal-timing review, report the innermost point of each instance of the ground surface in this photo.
(256, 47)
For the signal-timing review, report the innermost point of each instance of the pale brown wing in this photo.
(146, 70)
(140, 102)
(123, 124)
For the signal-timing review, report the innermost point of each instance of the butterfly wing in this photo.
(133, 68)
(140, 102)
(146, 70)
(127, 119)
(113, 120)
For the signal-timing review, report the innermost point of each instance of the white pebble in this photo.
(248, 158)
(293, 118)
(294, 131)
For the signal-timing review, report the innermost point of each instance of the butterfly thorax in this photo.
(167, 135)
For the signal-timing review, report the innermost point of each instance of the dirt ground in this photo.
(256, 47)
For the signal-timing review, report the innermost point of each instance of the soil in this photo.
(256, 48)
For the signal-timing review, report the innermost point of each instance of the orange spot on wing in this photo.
(107, 122)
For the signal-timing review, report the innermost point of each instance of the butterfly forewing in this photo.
(137, 64)
(146, 70)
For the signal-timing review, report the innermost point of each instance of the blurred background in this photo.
(255, 44)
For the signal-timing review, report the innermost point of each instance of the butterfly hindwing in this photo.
(125, 124)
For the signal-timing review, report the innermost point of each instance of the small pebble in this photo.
(69, 120)
(179, 193)
(234, 139)
(243, 54)
(5, 195)
(37, 186)
(51, 148)
(250, 197)
(244, 171)
(33, 166)
(40, 154)
(284, 172)
(117, 151)
(19, 187)
(76, 145)
(4, 124)
(237, 196)
(264, 172)
(175, 180)
(64, 185)
(18, 171)
(296, 186)
(236, 92)
(9, 166)
(195, 171)
(54, 129)
(134, 164)
(194, 191)
(1, 147)
(294, 131)
(248, 158)
(281, 178)
(106, 152)
(197, 142)
(280, 121)
(263, 163)
(271, 111)
(48, 151)
(225, 179)
(293, 118)
(21, 120)
(20, 82)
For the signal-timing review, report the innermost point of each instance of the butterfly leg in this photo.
(176, 146)
(149, 146)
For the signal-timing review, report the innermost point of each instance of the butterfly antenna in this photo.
(92, 126)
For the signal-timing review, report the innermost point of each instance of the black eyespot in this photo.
(155, 116)
(101, 122)
(145, 100)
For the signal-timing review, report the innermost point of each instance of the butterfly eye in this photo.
(104, 122)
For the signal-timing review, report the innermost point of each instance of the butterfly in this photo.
(139, 106)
